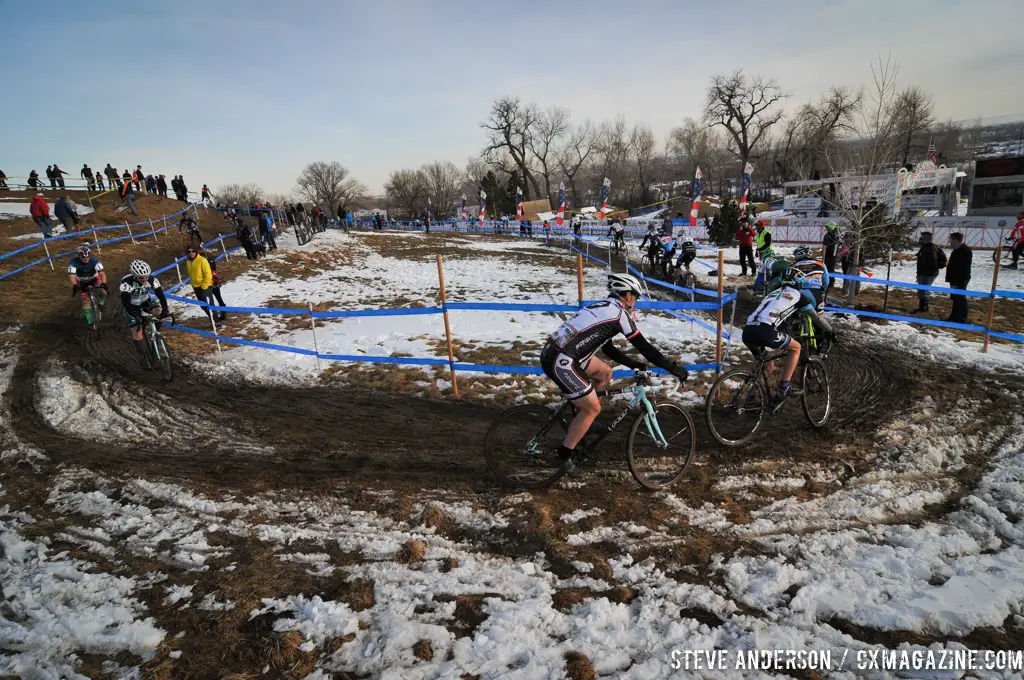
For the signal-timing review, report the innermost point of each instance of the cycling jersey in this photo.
(779, 306)
(815, 273)
(615, 230)
(667, 243)
(591, 327)
(85, 271)
(651, 236)
(136, 293)
(687, 253)
(769, 269)
(1017, 233)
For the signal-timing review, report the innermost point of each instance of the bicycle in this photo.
(159, 354)
(194, 240)
(302, 233)
(687, 279)
(811, 342)
(97, 310)
(738, 401)
(521, 444)
(1004, 251)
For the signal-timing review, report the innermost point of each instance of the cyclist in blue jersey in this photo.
(568, 356)
(85, 272)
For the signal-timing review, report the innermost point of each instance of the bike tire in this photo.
(162, 357)
(512, 450)
(817, 397)
(689, 281)
(730, 418)
(96, 314)
(652, 466)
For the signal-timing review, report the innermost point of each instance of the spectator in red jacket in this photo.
(1017, 234)
(40, 211)
(745, 235)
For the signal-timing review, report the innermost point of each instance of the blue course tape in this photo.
(914, 286)
(907, 319)
(1010, 294)
(399, 311)
(1007, 336)
(511, 306)
(249, 343)
(411, 361)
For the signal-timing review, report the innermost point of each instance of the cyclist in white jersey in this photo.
(764, 326)
(568, 356)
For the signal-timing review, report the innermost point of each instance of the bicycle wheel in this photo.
(521, 447)
(656, 466)
(816, 398)
(689, 280)
(162, 357)
(735, 407)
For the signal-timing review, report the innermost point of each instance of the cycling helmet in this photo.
(793, 278)
(83, 252)
(802, 253)
(139, 269)
(619, 284)
(687, 239)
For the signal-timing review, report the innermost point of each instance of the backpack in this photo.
(940, 257)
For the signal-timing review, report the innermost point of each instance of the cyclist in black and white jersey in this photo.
(568, 356)
(135, 290)
(616, 232)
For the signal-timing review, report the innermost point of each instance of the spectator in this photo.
(958, 274)
(40, 211)
(65, 211)
(244, 236)
(126, 177)
(342, 220)
(128, 194)
(1016, 236)
(50, 176)
(206, 194)
(830, 242)
(86, 174)
(200, 276)
(215, 288)
(137, 177)
(3, 180)
(109, 172)
(99, 182)
(745, 235)
(161, 186)
(666, 224)
(267, 229)
(33, 179)
(930, 259)
(58, 174)
(151, 184)
(763, 238)
(184, 189)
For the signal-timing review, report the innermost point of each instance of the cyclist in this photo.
(190, 227)
(816, 277)
(85, 272)
(1017, 237)
(655, 245)
(687, 253)
(763, 328)
(568, 356)
(136, 287)
(772, 266)
(616, 232)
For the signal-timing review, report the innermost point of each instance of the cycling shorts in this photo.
(566, 372)
(759, 336)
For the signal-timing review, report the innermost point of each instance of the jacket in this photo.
(199, 272)
(959, 268)
(928, 260)
(161, 184)
(63, 209)
(745, 235)
(86, 172)
(831, 242)
(39, 207)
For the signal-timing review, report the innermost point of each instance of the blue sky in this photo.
(231, 91)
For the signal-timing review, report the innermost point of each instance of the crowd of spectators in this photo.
(108, 179)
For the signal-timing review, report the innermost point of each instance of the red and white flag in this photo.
(606, 189)
(519, 203)
(931, 150)
(483, 206)
(748, 169)
(560, 220)
(695, 206)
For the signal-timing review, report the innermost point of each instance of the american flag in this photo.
(462, 212)
(606, 188)
(519, 203)
(695, 206)
(931, 149)
(483, 205)
(747, 170)
(560, 219)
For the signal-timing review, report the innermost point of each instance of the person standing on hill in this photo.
(128, 194)
(50, 176)
(137, 177)
(266, 223)
(930, 259)
(33, 179)
(745, 235)
(184, 189)
(86, 174)
(58, 174)
(110, 172)
(958, 274)
(3, 180)
(40, 211)
(161, 186)
(831, 241)
(66, 213)
(99, 182)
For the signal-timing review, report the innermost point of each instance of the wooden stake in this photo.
(177, 268)
(128, 227)
(223, 247)
(47, 249)
(312, 323)
(579, 276)
(216, 336)
(992, 298)
(152, 229)
(721, 291)
(447, 328)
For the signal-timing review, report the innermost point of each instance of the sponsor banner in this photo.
(920, 202)
(801, 203)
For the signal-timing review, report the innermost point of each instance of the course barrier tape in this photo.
(1007, 336)
(914, 286)
(908, 319)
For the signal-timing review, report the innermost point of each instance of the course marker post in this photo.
(128, 227)
(992, 295)
(888, 278)
(721, 295)
(223, 247)
(213, 322)
(152, 229)
(177, 268)
(447, 327)
(579, 277)
(47, 249)
(316, 348)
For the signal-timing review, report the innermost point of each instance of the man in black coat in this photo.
(86, 174)
(110, 172)
(161, 186)
(958, 274)
(50, 176)
(831, 241)
(930, 259)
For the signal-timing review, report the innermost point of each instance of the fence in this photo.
(453, 366)
(45, 242)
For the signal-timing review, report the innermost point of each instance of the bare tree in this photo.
(279, 199)
(242, 194)
(643, 148)
(551, 126)
(511, 127)
(914, 106)
(578, 150)
(405, 190)
(329, 185)
(442, 183)
(798, 152)
(747, 109)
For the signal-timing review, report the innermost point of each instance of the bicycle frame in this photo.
(639, 399)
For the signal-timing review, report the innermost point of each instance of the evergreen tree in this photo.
(723, 230)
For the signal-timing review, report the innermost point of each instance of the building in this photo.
(998, 187)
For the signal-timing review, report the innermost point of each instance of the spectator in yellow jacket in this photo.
(201, 276)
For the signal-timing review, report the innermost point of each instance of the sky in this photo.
(227, 91)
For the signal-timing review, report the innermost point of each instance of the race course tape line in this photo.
(908, 319)
(916, 286)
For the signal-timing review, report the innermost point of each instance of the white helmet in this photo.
(687, 239)
(801, 253)
(139, 269)
(619, 284)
